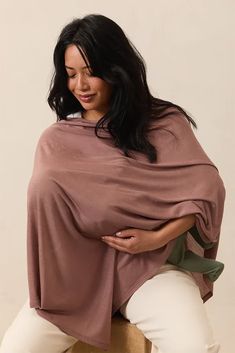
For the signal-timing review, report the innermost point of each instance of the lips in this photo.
(86, 97)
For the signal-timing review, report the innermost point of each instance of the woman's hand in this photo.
(146, 240)
(137, 240)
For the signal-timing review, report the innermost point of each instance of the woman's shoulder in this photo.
(172, 120)
(48, 132)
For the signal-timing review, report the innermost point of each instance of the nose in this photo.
(81, 83)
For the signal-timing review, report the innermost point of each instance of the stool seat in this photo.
(125, 338)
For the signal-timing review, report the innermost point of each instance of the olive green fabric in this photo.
(192, 262)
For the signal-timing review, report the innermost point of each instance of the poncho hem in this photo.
(84, 339)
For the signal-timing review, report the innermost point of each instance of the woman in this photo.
(124, 207)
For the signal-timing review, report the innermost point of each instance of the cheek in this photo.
(70, 85)
(96, 83)
(104, 88)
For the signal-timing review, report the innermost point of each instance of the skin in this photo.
(81, 81)
(134, 241)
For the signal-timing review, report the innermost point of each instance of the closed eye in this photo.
(71, 76)
(87, 74)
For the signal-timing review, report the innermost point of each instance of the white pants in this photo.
(167, 308)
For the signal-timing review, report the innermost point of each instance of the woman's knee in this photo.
(192, 348)
(186, 344)
(169, 310)
(30, 333)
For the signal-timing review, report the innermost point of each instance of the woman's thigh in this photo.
(169, 310)
(31, 333)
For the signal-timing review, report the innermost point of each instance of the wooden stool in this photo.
(125, 338)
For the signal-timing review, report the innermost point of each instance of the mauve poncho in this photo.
(83, 187)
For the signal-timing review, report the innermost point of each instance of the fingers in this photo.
(117, 243)
(114, 240)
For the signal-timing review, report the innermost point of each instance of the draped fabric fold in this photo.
(83, 187)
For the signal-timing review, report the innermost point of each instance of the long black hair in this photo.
(113, 58)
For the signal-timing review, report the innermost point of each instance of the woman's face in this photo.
(82, 83)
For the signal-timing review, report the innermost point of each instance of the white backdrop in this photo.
(189, 50)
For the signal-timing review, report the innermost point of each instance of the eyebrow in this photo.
(71, 68)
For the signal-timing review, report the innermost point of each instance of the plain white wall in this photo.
(189, 50)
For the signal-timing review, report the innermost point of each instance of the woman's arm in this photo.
(174, 228)
(135, 241)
